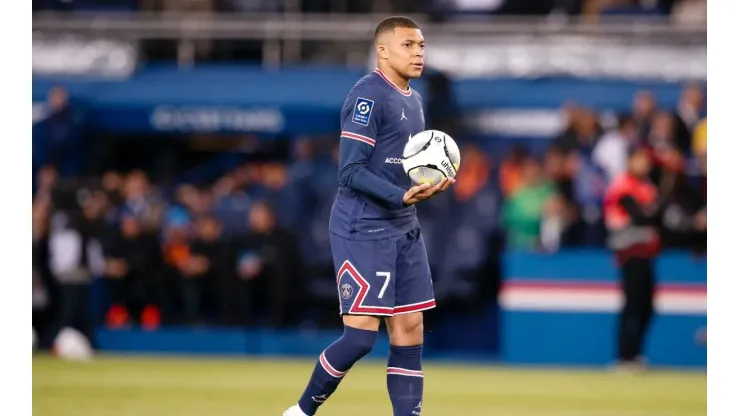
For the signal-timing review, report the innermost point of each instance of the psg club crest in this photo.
(346, 291)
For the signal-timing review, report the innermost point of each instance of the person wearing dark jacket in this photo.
(132, 268)
(632, 212)
(268, 269)
(205, 273)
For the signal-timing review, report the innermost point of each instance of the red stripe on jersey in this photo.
(404, 372)
(382, 75)
(329, 369)
(414, 307)
(357, 307)
(355, 136)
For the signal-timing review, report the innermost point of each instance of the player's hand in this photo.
(424, 191)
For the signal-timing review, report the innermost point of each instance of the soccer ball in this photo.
(431, 156)
(72, 345)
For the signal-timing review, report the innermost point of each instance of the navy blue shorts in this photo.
(383, 277)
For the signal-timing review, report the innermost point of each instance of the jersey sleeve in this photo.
(361, 117)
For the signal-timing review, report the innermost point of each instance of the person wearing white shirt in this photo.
(610, 152)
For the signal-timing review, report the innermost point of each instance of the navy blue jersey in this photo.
(377, 120)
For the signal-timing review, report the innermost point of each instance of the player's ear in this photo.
(381, 50)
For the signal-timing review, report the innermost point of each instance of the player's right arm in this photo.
(361, 117)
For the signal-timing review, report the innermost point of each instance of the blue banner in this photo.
(296, 101)
(271, 120)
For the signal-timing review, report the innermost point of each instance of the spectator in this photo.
(268, 268)
(277, 190)
(304, 170)
(581, 131)
(588, 130)
(558, 170)
(231, 203)
(187, 197)
(589, 185)
(473, 176)
(72, 254)
(175, 249)
(567, 139)
(687, 115)
(684, 217)
(205, 272)
(522, 211)
(139, 200)
(510, 171)
(610, 153)
(555, 221)
(46, 178)
(644, 108)
(666, 155)
(561, 168)
(112, 183)
(132, 269)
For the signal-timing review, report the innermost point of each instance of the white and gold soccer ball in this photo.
(431, 156)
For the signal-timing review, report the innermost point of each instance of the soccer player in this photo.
(379, 255)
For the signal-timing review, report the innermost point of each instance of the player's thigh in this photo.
(364, 272)
(414, 288)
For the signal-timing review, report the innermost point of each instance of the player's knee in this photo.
(362, 340)
(370, 323)
(405, 330)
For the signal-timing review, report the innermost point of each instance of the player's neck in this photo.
(397, 80)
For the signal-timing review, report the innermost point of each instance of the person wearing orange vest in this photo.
(631, 211)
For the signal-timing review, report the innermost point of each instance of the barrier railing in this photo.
(666, 48)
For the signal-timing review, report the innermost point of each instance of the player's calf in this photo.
(404, 376)
(334, 362)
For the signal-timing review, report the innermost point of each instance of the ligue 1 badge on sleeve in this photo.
(363, 109)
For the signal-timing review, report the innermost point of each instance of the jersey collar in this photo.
(406, 92)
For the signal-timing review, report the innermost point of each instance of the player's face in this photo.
(406, 52)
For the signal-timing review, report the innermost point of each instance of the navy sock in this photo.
(333, 364)
(405, 380)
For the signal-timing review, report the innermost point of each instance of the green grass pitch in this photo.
(143, 386)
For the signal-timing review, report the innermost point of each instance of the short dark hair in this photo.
(389, 24)
(624, 120)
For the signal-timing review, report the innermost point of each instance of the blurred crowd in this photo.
(556, 200)
(246, 249)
